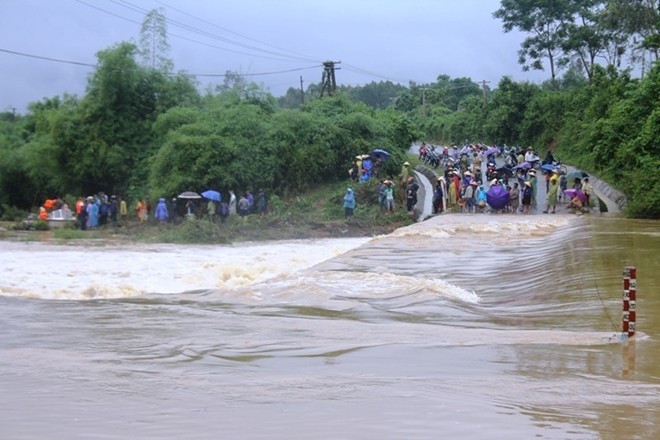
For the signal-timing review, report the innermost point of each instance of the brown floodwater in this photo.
(482, 326)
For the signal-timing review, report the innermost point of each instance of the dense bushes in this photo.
(144, 134)
(610, 127)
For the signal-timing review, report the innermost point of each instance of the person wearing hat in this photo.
(553, 189)
(453, 190)
(469, 196)
(533, 182)
(527, 197)
(403, 180)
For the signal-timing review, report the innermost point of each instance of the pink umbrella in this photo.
(571, 192)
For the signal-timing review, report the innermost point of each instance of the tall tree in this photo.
(585, 38)
(544, 21)
(154, 47)
(639, 21)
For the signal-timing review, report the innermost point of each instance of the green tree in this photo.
(638, 23)
(154, 47)
(544, 21)
(506, 111)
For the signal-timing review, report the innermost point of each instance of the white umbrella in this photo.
(189, 195)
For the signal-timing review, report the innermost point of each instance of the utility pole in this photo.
(393, 101)
(302, 92)
(424, 100)
(483, 90)
(328, 80)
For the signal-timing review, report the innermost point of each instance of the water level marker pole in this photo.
(629, 301)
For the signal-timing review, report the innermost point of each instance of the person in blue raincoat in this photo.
(349, 203)
(92, 213)
(481, 198)
(161, 212)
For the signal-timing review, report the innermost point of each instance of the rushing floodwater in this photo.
(483, 327)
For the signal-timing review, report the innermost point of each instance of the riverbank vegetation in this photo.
(143, 131)
(318, 213)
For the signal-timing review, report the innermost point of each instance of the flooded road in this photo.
(484, 326)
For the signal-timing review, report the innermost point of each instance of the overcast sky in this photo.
(397, 40)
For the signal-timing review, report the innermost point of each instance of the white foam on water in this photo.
(500, 225)
(78, 272)
(319, 287)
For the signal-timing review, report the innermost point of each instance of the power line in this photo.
(195, 30)
(77, 63)
(229, 30)
(356, 69)
(256, 74)
(57, 60)
(180, 25)
(283, 57)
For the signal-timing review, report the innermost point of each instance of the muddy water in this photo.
(481, 326)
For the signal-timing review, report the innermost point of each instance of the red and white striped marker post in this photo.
(629, 301)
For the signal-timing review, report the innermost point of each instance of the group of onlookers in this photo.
(100, 210)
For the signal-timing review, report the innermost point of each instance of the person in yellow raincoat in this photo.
(553, 190)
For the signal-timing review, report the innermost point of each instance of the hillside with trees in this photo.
(143, 130)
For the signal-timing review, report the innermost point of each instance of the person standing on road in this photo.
(411, 194)
(587, 189)
(553, 189)
(527, 197)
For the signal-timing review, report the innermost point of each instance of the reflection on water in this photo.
(481, 326)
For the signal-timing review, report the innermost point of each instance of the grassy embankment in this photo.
(316, 214)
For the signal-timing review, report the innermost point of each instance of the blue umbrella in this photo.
(211, 195)
(493, 150)
(382, 154)
(548, 167)
(524, 165)
(497, 197)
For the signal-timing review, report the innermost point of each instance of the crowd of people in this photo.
(468, 176)
(99, 210)
(219, 210)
